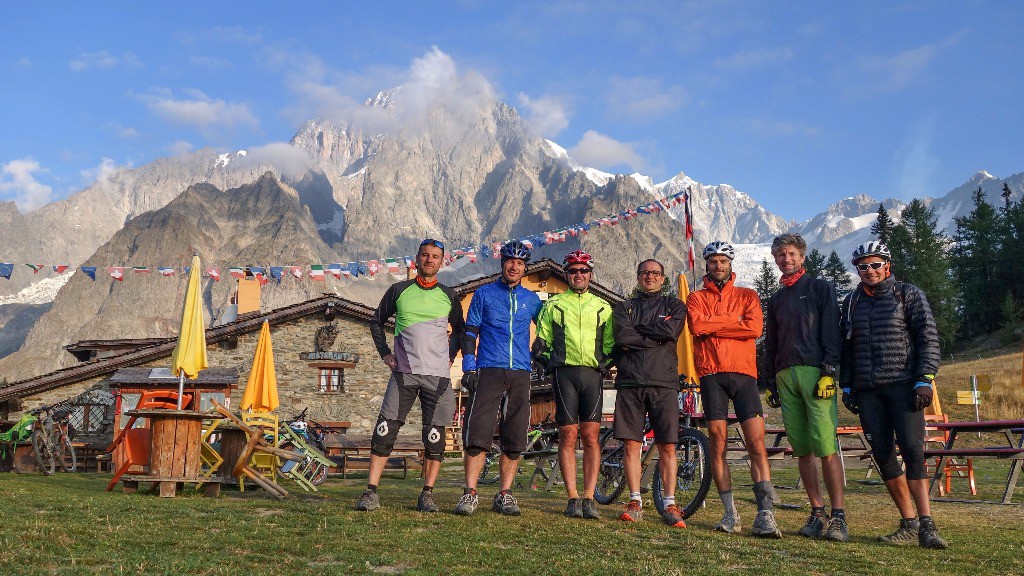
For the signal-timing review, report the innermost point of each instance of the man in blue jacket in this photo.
(496, 361)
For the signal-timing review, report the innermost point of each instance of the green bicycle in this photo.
(50, 438)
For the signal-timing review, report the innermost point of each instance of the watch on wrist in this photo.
(828, 370)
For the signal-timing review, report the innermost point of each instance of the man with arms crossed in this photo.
(647, 384)
(890, 356)
(420, 366)
(726, 321)
(498, 364)
(802, 345)
(575, 340)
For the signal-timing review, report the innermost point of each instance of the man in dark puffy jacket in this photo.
(646, 329)
(889, 359)
(802, 343)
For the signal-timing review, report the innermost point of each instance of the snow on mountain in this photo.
(594, 175)
(747, 264)
(41, 292)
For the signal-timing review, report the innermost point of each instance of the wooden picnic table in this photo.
(1012, 430)
(352, 452)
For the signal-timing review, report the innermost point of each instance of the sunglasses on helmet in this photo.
(432, 242)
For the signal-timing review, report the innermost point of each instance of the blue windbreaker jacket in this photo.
(500, 315)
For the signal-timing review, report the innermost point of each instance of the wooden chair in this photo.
(256, 443)
(208, 454)
(265, 463)
(962, 469)
(135, 442)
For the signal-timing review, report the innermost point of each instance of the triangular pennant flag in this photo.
(116, 272)
(60, 268)
(257, 272)
(276, 272)
(236, 272)
(185, 270)
(372, 267)
(354, 269)
(335, 270)
(140, 269)
(296, 272)
(35, 267)
(410, 263)
(89, 271)
(472, 255)
(214, 273)
(165, 271)
(5, 269)
(392, 265)
(316, 272)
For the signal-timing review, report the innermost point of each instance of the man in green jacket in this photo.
(575, 339)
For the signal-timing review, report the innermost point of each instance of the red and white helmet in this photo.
(578, 257)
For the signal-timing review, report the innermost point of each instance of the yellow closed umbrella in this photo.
(189, 355)
(684, 346)
(261, 389)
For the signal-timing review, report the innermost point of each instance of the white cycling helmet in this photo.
(871, 248)
(720, 247)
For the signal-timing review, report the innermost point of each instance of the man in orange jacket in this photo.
(726, 320)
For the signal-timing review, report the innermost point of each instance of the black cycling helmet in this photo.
(871, 248)
(515, 249)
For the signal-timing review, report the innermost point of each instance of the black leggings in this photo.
(888, 418)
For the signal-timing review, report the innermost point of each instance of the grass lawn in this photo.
(67, 524)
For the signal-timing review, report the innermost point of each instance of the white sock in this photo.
(636, 496)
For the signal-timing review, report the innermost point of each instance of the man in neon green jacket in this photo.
(574, 340)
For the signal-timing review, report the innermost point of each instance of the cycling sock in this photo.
(763, 495)
(727, 501)
(371, 487)
(636, 496)
(469, 490)
(838, 513)
(669, 500)
(503, 492)
(818, 511)
(428, 488)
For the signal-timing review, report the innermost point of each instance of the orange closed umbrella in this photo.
(261, 389)
(189, 356)
(684, 346)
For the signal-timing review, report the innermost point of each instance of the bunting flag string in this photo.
(393, 265)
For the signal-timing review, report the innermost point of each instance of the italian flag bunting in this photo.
(316, 272)
(392, 265)
(140, 269)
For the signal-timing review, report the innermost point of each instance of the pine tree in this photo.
(837, 275)
(976, 261)
(766, 284)
(883, 225)
(1010, 273)
(920, 256)
(815, 263)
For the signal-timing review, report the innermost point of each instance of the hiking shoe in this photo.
(590, 509)
(467, 504)
(574, 509)
(928, 535)
(673, 516)
(765, 525)
(368, 501)
(905, 535)
(729, 524)
(836, 530)
(426, 503)
(633, 512)
(505, 504)
(814, 525)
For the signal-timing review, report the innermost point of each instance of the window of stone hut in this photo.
(331, 380)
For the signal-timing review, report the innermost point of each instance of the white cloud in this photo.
(546, 116)
(599, 151)
(101, 172)
(127, 132)
(200, 111)
(288, 160)
(754, 59)
(180, 147)
(17, 179)
(642, 97)
(895, 72)
(23, 63)
(104, 60)
(915, 164)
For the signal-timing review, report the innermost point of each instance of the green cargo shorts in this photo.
(810, 421)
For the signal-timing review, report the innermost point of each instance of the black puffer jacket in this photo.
(886, 342)
(802, 328)
(646, 329)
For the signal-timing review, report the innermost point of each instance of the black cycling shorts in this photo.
(888, 418)
(717, 389)
(661, 405)
(481, 417)
(578, 395)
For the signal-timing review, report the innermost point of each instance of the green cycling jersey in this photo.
(576, 330)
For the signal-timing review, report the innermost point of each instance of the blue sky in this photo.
(798, 104)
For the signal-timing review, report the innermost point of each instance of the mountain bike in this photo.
(541, 440)
(693, 465)
(307, 437)
(51, 441)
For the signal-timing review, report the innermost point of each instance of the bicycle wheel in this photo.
(319, 475)
(490, 473)
(44, 455)
(693, 473)
(611, 477)
(65, 453)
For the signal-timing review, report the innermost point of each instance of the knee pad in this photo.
(511, 455)
(384, 435)
(433, 443)
(472, 451)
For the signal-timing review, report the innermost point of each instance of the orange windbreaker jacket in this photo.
(721, 341)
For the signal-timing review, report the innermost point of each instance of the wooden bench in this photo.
(351, 452)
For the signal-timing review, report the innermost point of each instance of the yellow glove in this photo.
(826, 387)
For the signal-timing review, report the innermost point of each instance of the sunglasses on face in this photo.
(871, 265)
(432, 242)
(654, 273)
(580, 271)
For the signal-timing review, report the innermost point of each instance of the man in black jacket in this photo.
(802, 345)
(889, 360)
(646, 328)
